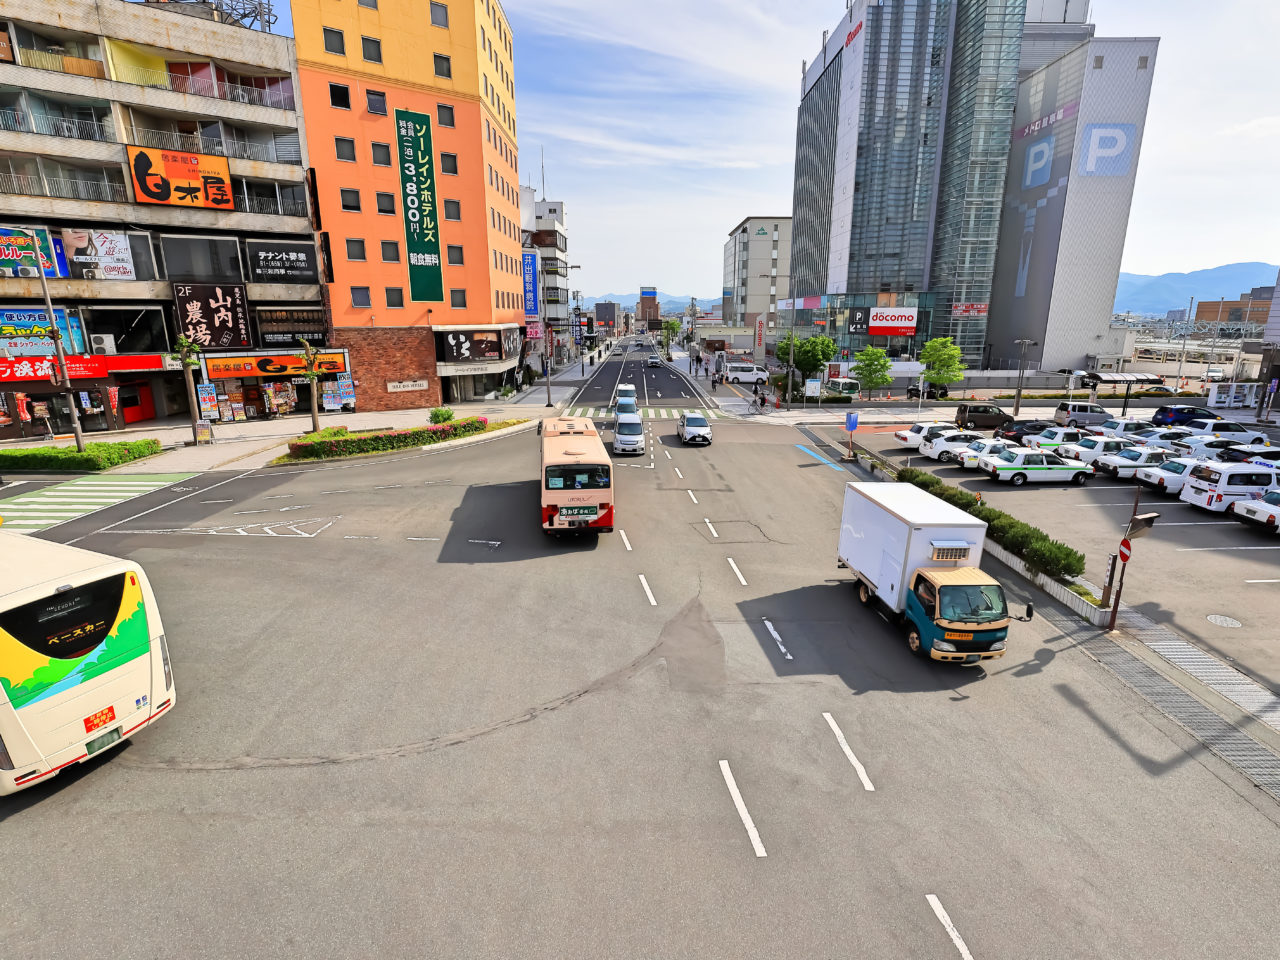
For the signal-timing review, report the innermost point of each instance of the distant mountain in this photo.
(1136, 293)
(667, 302)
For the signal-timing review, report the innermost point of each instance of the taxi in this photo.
(1021, 465)
(1089, 449)
(1125, 464)
(1263, 512)
(947, 447)
(1167, 477)
(1055, 437)
(975, 451)
(911, 437)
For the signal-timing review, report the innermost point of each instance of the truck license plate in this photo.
(958, 636)
(577, 511)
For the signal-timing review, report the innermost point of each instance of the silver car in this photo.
(694, 428)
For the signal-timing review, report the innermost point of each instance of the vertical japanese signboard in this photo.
(418, 199)
(530, 261)
(216, 316)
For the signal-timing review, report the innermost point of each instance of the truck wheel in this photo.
(914, 644)
(864, 594)
(1018, 479)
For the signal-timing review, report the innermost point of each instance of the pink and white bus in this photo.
(577, 478)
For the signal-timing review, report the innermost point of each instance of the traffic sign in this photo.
(851, 421)
(1126, 550)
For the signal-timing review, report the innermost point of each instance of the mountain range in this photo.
(1138, 293)
(667, 302)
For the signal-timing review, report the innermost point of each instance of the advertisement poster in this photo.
(346, 389)
(237, 411)
(273, 365)
(18, 258)
(26, 332)
(207, 400)
(511, 344)
(224, 410)
(418, 200)
(179, 179)
(466, 346)
(97, 254)
(216, 316)
(271, 261)
(530, 261)
(813, 388)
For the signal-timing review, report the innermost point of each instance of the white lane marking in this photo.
(1201, 523)
(426, 484)
(625, 542)
(844, 745)
(15, 483)
(387, 486)
(422, 538)
(1203, 549)
(737, 572)
(678, 473)
(882, 616)
(947, 925)
(691, 496)
(738, 802)
(711, 528)
(647, 592)
(350, 537)
(776, 639)
(1129, 503)
(241, 513)
(1262, 581)
(323, 492)
(668, 453)
(161, 506)
(67, 509)
(491, 544)
(217, 501)
(297, 506)
(278, 496)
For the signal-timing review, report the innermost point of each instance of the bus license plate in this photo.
(577, 511)
(106, 740)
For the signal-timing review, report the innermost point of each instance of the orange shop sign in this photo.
(270, 365)
(180, 179)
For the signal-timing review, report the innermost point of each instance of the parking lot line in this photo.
(737, 572)
(1262, 581)
(738, 802)
(647, 592)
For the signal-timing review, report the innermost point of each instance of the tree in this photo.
(310, 358)
(813, 353)
(942, 362)
(870, 368)
(188, 354)
(670, 328)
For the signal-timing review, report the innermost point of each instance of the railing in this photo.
(205, 87)
(106, 192)
(43, 60)
(271, 206)
(15, 122)
(21, 184)
(249, 150)
(194, 143)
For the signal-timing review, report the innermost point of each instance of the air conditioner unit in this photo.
(6, 271)
(26, 272)
(92, 275)
(102, 343)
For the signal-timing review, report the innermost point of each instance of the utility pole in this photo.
(791, 361)
(1186, 329)
(64, 378)
(1022, 367)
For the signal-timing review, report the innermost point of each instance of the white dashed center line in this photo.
(738, 802)
(678, 473)
(691, 496)
(776, 639)
(623, 534)
(647, 592)
(844, 745)
(947, 925)
(711, 528)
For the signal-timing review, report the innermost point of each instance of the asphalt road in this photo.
(411, 725)
(667, 385)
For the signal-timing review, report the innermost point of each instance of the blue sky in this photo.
(666, 122)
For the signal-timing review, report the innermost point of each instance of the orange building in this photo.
(409, 109)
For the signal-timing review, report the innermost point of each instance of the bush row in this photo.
(1083, 395)
(96, 456)
(1042, 552)
(344, 444)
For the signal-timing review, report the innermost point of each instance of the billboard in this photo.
(179, 179)
(97, 254)
(530, 263)
(273, 261)
(17, 258)
(418, 202)
(26, 332)
(273, 365)
(892, 321)
(465, 346)
(216, 316)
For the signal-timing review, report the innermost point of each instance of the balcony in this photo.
(271, 206)
(15, 122)
(194, 143)
(31, 186)
(204, 87)
(51, 60)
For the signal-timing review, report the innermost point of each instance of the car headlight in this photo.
(944, 646)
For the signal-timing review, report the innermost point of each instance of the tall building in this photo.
(901, 145)
(608, 318)
(154, 150)
(648, 313)
(757, 271)
(410, 113)
(1052, 28)
(550, 241)
(1072, 166)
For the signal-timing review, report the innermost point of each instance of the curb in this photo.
(443, 445)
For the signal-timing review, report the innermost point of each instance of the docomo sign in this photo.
(853, 34)
(759, 333)
(892, 321)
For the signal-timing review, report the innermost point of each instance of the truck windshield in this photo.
(972, 603)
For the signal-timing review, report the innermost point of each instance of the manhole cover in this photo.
(1218, 620)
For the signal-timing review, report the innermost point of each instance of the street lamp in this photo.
(1022, 366)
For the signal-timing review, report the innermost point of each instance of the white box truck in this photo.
(918, 557)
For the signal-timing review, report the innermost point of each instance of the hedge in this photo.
(329, 443)
(96, 456)
(1042, 552)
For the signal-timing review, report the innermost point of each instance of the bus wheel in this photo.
(913, 642)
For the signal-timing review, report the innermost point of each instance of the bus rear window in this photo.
(578, 476)
(70, 624)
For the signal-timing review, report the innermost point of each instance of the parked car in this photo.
(1178, 414)
(1214, 375)
(911, 437)
(1167, 477)
(1264, 512)
(1018, 431)
(1089, 449)
(693, 428)
(1202, 446)
(975, 451)
(1161, 389)
(931, 392)
(746, 373)
(626, 391)
(1121, 427)
(971, 415)
(1225, 428)
(1215, 486)
(1262, 454)
(1021, 465)
(1124, 464)
(1160, 437)
(1054, 437)
(1075, 414)
(946, 447)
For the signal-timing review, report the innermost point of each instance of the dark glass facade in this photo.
(814, 175)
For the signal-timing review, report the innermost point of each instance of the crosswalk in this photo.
(648, 413)
(48, 506)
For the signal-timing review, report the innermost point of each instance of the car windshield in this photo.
(626, 406)
(1149, 434)
(1008, 456)
(1087, 442)
(972, 603)
(1172, 466)
(1110, 424)
(1272, 498)
(1049, 435)
(1130, 454)
(694, 422)
(630, 429)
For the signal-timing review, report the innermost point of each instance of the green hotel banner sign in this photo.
(418, 200)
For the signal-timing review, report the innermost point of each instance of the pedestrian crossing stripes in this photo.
(648, 413)
(46, 507)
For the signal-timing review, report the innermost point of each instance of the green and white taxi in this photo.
(975, 451)
(1056, 437)
(1021, 465)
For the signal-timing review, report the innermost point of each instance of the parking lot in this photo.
(1193, 565)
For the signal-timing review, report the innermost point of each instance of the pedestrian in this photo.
(755, 391)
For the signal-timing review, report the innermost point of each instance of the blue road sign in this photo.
(851, 421)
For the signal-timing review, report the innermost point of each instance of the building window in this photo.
(355, 249)
(454, 253)
(458, 299)
(395, 297)
(371, 4)
(339, 96)
(1142, 62)
(345, 148)
(333, 42)
(360, 297)
(350, 199)
(449, 163)
(444, 115)
(444, 66)
(1097, 63)
(371, 47)
(452, 210)
(439, 15)
(390, 251)
(381, 154)
(376, 101)
(386, 203)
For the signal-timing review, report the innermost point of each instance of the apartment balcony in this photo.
(12, 121)
(283, 207)
(33, 186)
(61, 63)
(205, 87)
(194, 143)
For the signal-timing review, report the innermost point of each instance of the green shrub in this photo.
(441, 414)
(988, 515)
(349, 444)
(96, 456)
(957, 498)
(1054, 559)
(1012, 534)
(920, 478)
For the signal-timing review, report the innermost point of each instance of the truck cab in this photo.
(957, 614)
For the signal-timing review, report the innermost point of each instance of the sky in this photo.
(665, 123)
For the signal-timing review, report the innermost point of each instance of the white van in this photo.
(1215, 486)
(746, 373)
(626, 391)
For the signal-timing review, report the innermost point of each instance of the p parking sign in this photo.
(851, 421)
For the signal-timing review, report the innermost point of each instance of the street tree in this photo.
(870, 368)
(187, 353)
(310, 358)
(670, 328)
(813, 353)
(942, 362)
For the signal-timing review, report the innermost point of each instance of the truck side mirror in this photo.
(1030, 610)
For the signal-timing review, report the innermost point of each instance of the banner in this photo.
(271, 261)
(206, 396)
(18, 258)
(26, 332)
(463, 346)
(216, 316)
(42, 368)
(346, 389)
(892, 321)
(530, 284)
(179, 179)
(97, 254)
(418, 200)
(270, 365)
(511, 344)
(113, 396)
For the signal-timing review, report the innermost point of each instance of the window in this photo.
(444, 115)
(371, 47)
(333, 42)
(386, 202)
(390, 251)
(1142, 61)
(345, 148)
(360, 297)
(440, 15)
(452, 210)
(454, 255)
(381, 154)
(201, 259)
(444, 66)
(458, 299)
(376, 101)
(371, 4)
(339, 96)
(355, 249)
(350, 199)
(395, 296)
(1097, 63)
(449, 163)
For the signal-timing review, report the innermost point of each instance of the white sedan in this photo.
(1264, 513)
(1055, 437)
(947, 447)
(1089, 449)
(911, 437)
(1122, 427)
(1225, 428)
(1021, 465)
(1167, 477)
(1202, 445)
(975, 451)
(1124, 464)
(1160, 436)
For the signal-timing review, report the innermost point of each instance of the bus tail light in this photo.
(605, 519)
(549, 514)
(6, 762)
(164, 659)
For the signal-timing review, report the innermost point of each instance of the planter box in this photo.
(1054, 588)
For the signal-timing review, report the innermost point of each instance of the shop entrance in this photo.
(136, 402)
